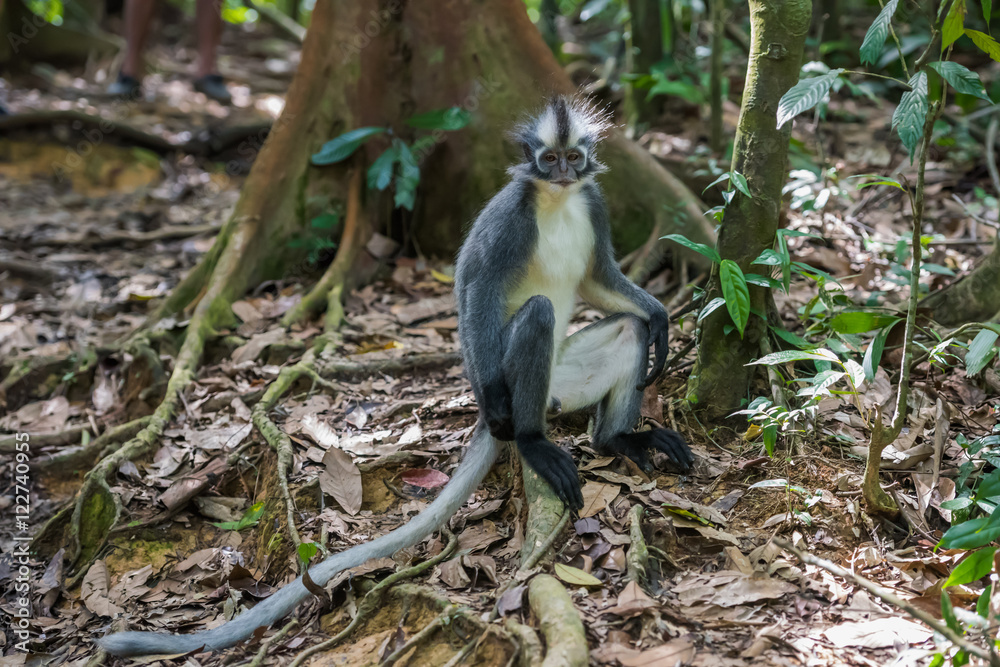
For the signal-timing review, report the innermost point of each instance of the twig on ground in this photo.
(265, 646)
(891, 598)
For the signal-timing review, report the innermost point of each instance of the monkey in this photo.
(538, 244)
(541, 242)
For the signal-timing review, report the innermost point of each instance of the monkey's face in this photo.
(562, 166)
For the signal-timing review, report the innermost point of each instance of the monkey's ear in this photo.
(529, 155)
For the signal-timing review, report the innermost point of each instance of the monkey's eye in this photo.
(573, 157)
(550, 158)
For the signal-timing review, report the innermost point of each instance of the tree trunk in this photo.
(372, 65)
(972, 298)
(646, 43)
(720, 379)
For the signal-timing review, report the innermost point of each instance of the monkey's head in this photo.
(559, 143)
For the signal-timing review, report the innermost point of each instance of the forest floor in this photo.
(84, 256)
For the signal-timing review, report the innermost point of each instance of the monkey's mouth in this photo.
(564, 182)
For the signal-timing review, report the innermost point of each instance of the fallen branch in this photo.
(76, 120)
(891, 598)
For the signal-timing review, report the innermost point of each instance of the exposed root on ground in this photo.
(375, 597)
(565, 640)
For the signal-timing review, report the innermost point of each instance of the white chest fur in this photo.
(562, 254)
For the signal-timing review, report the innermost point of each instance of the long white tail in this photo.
(478, 459)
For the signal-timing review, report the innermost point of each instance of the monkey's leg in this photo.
(601, 365)
(527, 363)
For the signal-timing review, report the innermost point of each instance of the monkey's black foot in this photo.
(636, 447)
(554, 465)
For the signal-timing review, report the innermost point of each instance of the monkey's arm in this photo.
(481, 320)
(607, 288)
(497, 247)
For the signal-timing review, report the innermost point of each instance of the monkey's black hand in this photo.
(555, 466)
(497, 412)
(658, 338)
(636, 445)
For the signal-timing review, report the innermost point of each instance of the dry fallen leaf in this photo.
(596, 497)
(342, 480)
(575, 576)
(425, 478)
(878, 633)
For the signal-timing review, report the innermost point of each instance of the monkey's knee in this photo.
(537, 313)
(634, 331)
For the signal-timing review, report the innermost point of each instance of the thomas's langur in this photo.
(541, 242)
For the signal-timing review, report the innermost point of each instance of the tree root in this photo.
(443, 619)
(973, 298)
(546, 513)
(565, 639)
(375, 597)
(75, 458)
(265, 646)
(561, 625)
(637, 561)
(327, 293)
(530, 646)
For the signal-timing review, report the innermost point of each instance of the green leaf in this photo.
(721, 179)
(985, 42)
(961, 79)
(343, 147)
(983, 603)
(805, 94)
(981, 351)
(987, 11)
(975, 566)
(909, 117)
(789, 337)
(710, 307)
(855, 370)
(930, 267)
(873, 355)
(734, 288)
(989, 487)
(971, 534)
(954, 24)
(380, 173)
(763, 281)
(324, 221)
(409, 177)
(878, 179)
(794, 355)
(860, 321)
(306, 552)
(740, 183)
(948, 614)
(700, 248)
(769, 257)
(871, 47)
(957, 503)
(249, 518)
(770, 438)
(451, 119)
